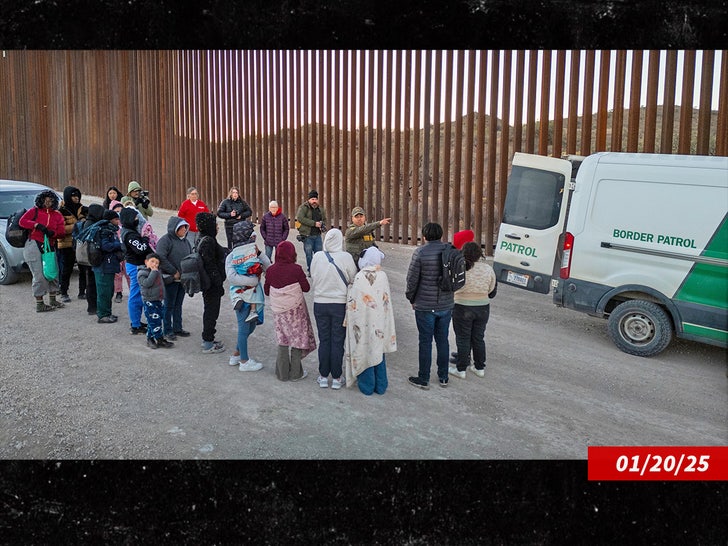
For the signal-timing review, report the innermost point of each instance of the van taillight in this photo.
(566, 256)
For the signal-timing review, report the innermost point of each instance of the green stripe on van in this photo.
(707, 284)
(704, 331)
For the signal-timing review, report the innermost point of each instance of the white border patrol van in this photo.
(640, 239)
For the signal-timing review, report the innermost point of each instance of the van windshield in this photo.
(534, 198)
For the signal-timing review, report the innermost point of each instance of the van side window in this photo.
(534, 198)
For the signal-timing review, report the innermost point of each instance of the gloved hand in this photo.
(44, 229)
(145, 202)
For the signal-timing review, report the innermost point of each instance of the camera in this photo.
(145, 193)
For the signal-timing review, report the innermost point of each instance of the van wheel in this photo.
(640, 328)
(7, 275)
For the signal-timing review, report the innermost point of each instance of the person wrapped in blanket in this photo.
(247, 262)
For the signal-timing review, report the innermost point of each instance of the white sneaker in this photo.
(476, 371)
(452, 370)
(338, 383)
(323, 382)
(234, 360)
(250, 366)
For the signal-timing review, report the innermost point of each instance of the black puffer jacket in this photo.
(241, 208)
(424, 271)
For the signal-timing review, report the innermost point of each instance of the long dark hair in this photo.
(472, 253)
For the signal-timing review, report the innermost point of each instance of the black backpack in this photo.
(15, 235)
(193, 276)
(453, 269)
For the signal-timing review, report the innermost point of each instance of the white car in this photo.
(15, 195)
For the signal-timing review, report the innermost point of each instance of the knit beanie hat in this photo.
(115, 203)
(462, 237)
(312, 194)
(110, 215)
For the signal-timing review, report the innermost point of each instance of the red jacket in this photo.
(188, 210)
(47, 217)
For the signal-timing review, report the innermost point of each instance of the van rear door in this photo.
(533, 221)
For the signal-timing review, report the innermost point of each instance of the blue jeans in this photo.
(269, 252)
(135, 305)
(433, 324)
(174, 295)
(332, 333)
(311, 245)
(245, 328)
(469, 324)
(373, 379)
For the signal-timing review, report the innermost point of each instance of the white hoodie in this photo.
(328, 287)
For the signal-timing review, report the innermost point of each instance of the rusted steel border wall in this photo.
(369, 128)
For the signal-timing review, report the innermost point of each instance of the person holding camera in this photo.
(141, 198)
(312, 218)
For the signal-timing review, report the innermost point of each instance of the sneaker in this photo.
(113, 316)
(152, 343)
(43, 308)
(452, 370)
(117, 299)
(252, 316)
(106, 320)
(234, 360)
(170, 337)
(336, 384)
(250, 366)
(454, 355)
(57, 304)
(323, 382)
(182, 333)
(214, 347)
(476, 371)
(417, 382)
(443, 382)
(65, 298)
(303, 376)
(134, 330)
(164, 344)
(82, 295)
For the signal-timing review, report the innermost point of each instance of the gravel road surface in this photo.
(555, 384)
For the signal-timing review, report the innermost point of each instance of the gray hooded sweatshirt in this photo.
(172, 249)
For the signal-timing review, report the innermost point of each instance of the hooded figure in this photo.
(242, 233)
(72, 212)
(172, 247)
(42, 221)
(136, 249)
(370, 331)
(141, 201)
(95, 214)
(213, 259)
(332, 271)
(285, 283)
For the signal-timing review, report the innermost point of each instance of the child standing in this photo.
(152, 288)
(246, 262)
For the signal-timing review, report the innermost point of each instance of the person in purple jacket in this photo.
(273, 228)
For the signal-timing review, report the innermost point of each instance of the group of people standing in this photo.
(352, 300)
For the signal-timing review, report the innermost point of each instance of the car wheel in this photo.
(640, 328)
(7, 275)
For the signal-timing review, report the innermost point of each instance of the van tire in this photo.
(640, 328)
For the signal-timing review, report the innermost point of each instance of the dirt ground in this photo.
(555, 384)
